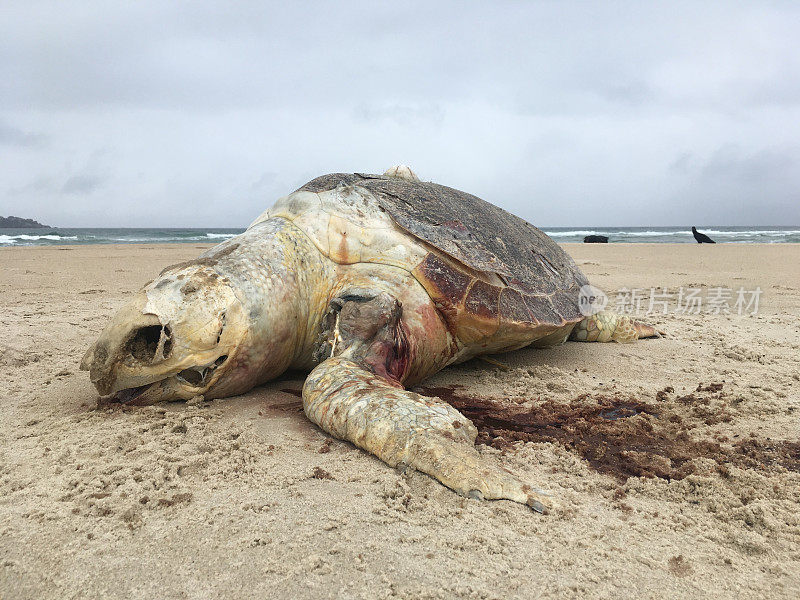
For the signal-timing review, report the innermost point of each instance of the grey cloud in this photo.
(732, 164)
(265, 181)
(81, 184)
(35, 187)
(683, 163)
(408, 115)
(14, 136)
(620, 113)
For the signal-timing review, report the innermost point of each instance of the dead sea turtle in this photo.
(372, 283)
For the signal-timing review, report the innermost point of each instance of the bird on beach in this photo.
(701, 238)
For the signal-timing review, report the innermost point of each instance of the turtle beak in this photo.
(131, 333)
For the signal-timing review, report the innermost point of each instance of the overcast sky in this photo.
(147, 114)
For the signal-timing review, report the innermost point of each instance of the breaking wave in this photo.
(9, 237)
(24, 237)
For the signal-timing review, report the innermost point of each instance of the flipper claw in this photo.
(537, 506)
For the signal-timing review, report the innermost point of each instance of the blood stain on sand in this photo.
(620, 437)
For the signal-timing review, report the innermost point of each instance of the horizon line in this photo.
(244, 227)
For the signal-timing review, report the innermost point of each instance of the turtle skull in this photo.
(177, 338)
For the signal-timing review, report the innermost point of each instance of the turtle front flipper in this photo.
(356, 395)
(404, 428)
(606, 326)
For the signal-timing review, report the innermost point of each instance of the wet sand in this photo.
(675, 461)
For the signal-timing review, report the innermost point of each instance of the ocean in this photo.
(59, 236)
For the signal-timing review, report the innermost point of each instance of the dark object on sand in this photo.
(20, 223)
(595, 239)
(702, 238)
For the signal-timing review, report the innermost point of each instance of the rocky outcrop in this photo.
(19, 223)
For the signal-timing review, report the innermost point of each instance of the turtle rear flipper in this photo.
(606, 326)
(403, 428)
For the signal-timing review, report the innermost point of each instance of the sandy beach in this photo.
(675, 462)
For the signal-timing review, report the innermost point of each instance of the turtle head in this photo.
(179, 337)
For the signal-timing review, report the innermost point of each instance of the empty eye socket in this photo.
(143, 345)
(191, 376)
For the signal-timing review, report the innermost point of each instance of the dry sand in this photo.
(245, 498)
